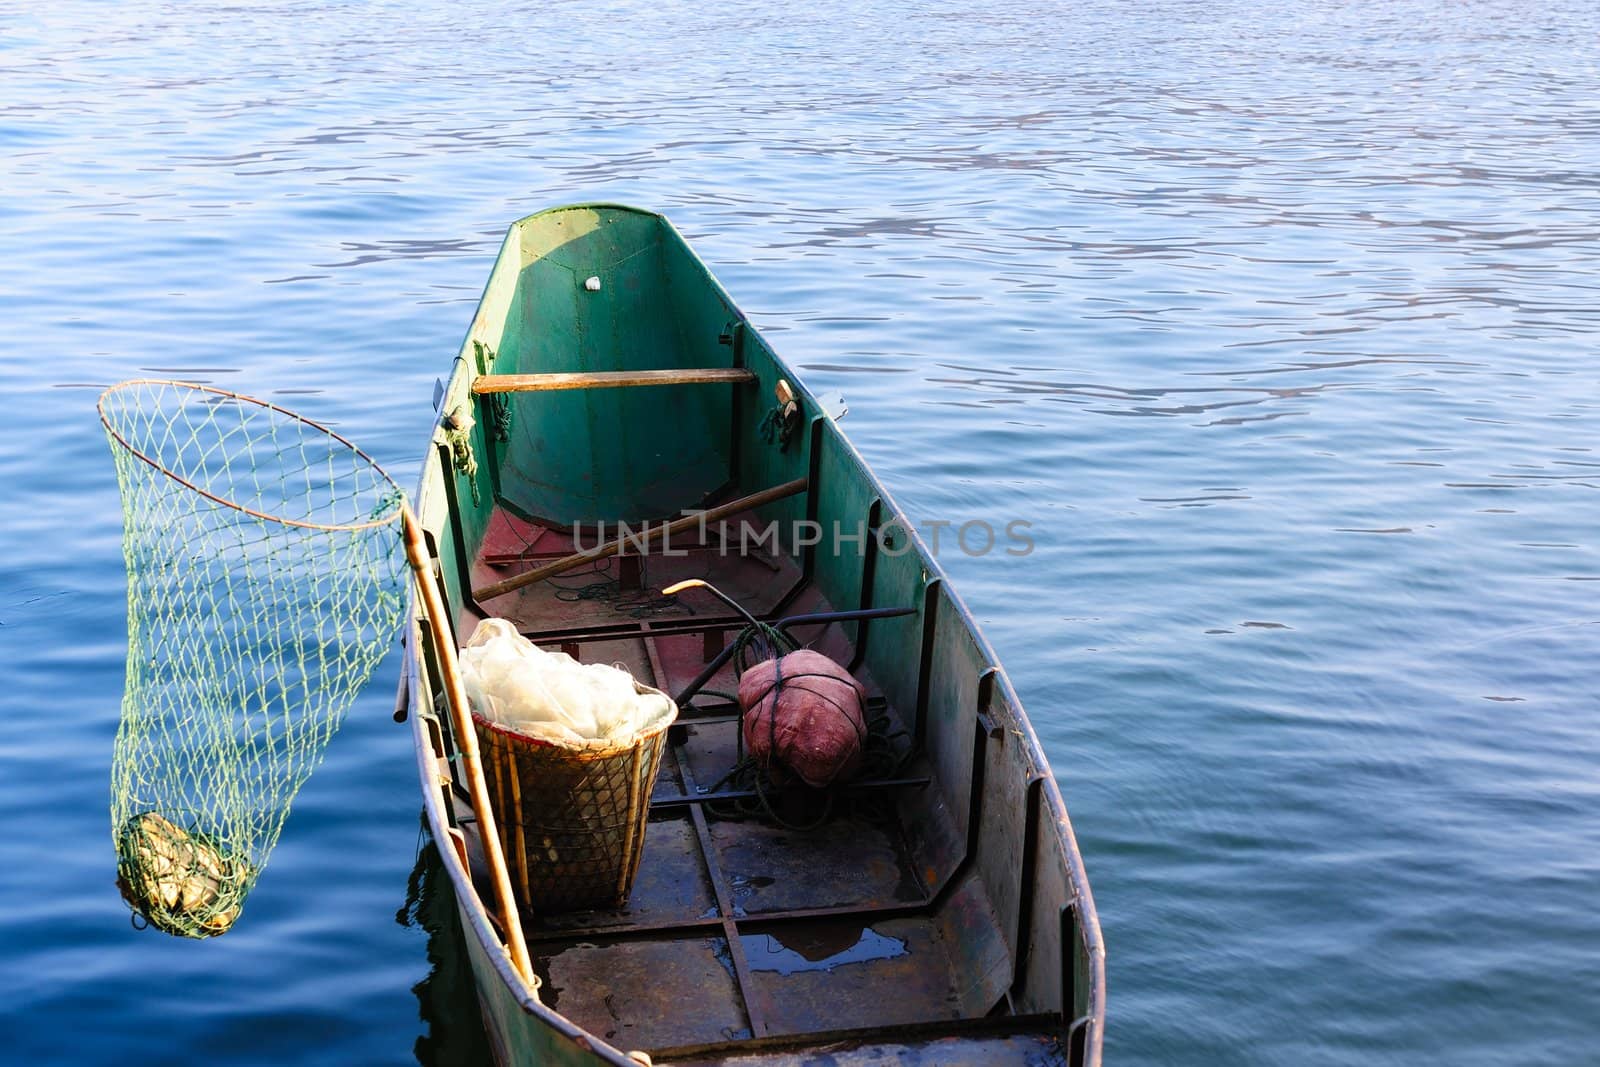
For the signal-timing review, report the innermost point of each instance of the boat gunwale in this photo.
(1086, 917)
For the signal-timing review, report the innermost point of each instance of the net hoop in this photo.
(105, 420)
(264, 588)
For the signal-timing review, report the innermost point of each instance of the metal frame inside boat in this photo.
(995, 818)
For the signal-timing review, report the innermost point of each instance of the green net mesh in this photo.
(265, 583)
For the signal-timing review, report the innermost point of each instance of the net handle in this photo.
(105, 420)
(466, 738)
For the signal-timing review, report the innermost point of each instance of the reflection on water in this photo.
(819, 947)
(446, 1001)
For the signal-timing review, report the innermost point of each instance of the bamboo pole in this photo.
(612, 547)
(466, 739)
(543, 383)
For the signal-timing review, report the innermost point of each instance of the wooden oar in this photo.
(466, 739)
(609, 379)
(612, 547)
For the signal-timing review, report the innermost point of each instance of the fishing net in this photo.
(264, 586)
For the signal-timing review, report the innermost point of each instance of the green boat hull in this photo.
(603, 288)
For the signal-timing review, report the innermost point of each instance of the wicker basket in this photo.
(571, 821)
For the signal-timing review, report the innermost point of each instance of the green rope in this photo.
(459, 438)
(496, 405)
(775, 429)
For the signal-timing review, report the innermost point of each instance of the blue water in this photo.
(1276, 320)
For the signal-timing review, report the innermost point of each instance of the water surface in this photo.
(1276, 320)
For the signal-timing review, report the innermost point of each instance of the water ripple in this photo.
(1277, 322)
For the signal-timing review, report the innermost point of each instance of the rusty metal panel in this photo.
(1042, 987)
(1006, 861)
(633, 993)
(983, 1050)
(1021, 1041)
(834, 974)
(952, 706)
(935, 845)
(848, 860)
(976, 947)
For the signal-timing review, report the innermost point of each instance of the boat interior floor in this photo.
(757, 929)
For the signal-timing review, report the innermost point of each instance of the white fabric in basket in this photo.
(551, 696)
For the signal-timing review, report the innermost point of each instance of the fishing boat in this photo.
(613, 425)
